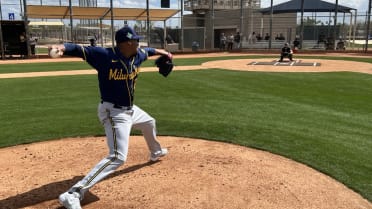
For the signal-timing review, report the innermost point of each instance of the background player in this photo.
(117, 73)
(286, 52)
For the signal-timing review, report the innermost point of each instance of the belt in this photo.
(119, 106)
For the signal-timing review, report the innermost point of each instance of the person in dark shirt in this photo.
(286, 52)
(237, 40)
(296, 43)
(23, 45)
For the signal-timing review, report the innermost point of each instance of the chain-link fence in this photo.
(319, 30)
(203, 29)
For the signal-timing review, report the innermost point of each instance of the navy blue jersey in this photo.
(116, 74)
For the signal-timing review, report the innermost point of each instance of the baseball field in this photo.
(239, 136)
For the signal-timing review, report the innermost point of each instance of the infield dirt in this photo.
(195, 174)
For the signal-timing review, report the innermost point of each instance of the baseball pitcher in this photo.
(117, 73)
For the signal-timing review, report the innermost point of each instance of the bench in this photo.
(263, 44)
(312, 44)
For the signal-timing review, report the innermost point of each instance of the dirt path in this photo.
(196, 173)
(236, 64)
(83, 72)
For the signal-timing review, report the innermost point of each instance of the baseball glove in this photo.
(164, 64)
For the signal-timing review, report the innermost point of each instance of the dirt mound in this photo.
(195, 174)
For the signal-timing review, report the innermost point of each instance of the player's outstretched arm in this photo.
(74, 50)
(163, 52)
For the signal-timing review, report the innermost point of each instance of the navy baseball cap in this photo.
(125, 34)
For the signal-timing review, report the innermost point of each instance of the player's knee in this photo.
(149, 124)
(152, 122)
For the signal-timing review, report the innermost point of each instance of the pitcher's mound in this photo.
(195, 174)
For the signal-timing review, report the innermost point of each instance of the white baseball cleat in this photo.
(155, 156)
(70, 200)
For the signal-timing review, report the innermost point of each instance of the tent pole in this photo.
(335, 26)
(329, 25)
(165, 35)
(350, 28)
(241, 17)
(302, 24)
(112, 23)
(25, 19)
(1, 35)
(71, 29)
(343, 27)
(355, 25)
(101, 32)
(148, 22)
(182, 27)
(315, 27)
(212, 19)
(271, 23)
(368, 23)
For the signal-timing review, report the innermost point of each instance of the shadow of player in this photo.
(51, 191)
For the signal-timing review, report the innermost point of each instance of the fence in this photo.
(203, 29)
(318, 29)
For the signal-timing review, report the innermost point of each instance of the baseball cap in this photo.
(125, 34)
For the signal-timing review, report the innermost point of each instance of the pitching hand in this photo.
(60, 48)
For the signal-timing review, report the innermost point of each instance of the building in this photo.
(204, 5)
(232, 16)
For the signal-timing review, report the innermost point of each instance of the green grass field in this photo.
(81, 65)
(320, 119)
